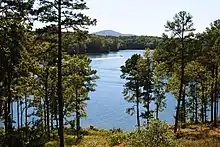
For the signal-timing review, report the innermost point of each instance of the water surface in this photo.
(107, 106)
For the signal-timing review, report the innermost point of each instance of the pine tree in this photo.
(62, 13)
(181, 28)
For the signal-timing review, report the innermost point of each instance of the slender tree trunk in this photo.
(47, 104)
(55, 111)
(51, 124)
(215, 99)
(138, 117)
(193, 108)
(202, 112)
(217, 107)
(184, 105)
(6, 107)
(205, 110)
(6, 118)
(193, 103)
(60, 95)
(77, 114)
(57, 122)
(12, 111)
(56, 119)
(196, 104)
(148, 108)
(205, 105)
(203, 98)
(180, 96)
(157, 111)
(137, 105)
(26, 111)
(42, 112)
(45, 116)
(212, 94)
(18, 123)
(21, 112)
(9, 107)
(181, 83)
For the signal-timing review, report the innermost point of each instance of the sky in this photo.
(148, 17)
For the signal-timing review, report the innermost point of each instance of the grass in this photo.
(92, 138)
(199, 136)
(191, 136)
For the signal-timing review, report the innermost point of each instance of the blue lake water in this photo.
(107, 106)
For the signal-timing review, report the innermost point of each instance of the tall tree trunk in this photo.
(6, 106)
(217, 107)
(212, 94)
(215, 98)
(205, 110)
(21, 112)
(202, 112)
(18, 119)
(193, 103)
(157, 111)
(42, 112)
(180, 94)
(60, 95)
(51, 124)
(12, 112)
(55, 111)
(77, 114)
(11, 119)
(148, 108)
(137, 105)
(184, 106)
(196, 104)
(202, 108)
(45, 116)
(26, 111)
(6, 117)
(9, 94)
(181, 82)
(47, 104)
(193, 108)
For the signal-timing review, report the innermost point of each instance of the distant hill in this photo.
(111, 33)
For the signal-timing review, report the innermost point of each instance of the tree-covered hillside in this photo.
(100, 44)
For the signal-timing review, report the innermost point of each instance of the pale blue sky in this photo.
(148, 17)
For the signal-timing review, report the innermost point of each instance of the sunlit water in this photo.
(107, 106)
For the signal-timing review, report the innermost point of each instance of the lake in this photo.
(107, 106)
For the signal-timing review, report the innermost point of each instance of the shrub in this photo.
(116, 130)
(157, 134)
(116, 138)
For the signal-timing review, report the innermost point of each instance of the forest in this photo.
(83, 42)
(45, 72)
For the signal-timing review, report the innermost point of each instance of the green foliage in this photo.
(118, 137)
(159, 95)
(138, 73)
(156, 134)
(184, 64)
(32, 136)
(102, 44)
(28, 69)
(174, 53)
